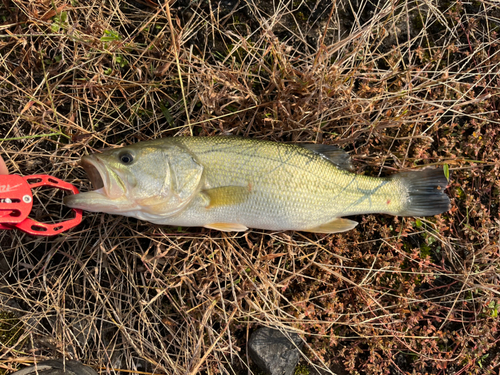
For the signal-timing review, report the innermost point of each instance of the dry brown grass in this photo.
(397, 84)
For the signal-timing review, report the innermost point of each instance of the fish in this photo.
(229, 183)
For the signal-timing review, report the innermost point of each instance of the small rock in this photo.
(275, 353)
(57, 367)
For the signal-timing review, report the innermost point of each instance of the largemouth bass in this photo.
(232, 184)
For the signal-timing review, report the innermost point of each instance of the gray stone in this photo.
(275, 352)
(57, 367)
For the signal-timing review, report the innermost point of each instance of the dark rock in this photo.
(275, 352)
(57, 367)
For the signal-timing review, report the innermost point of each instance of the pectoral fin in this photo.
(227, 227)
(334, 226)
(225, 196)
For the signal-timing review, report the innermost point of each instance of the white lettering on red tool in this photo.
(8, 188)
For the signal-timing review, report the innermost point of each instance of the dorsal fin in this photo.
(333, 153)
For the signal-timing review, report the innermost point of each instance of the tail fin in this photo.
(426, 195)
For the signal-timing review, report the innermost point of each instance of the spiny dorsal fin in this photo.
(335, 226)
(333, 153)
(225, 195)
(227, 227)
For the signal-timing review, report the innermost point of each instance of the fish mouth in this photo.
(93, 172)
(104, 179)
(109, 190)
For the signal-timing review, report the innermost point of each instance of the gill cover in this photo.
(182, 183)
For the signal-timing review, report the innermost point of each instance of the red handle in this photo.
(16, 199)
(15, 214)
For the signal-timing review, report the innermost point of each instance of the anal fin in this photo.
(335, 226)
(227, 227)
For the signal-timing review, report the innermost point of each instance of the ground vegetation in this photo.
(400, 85)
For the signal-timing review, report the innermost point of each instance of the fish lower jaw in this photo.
(99, 191)
(98, 201)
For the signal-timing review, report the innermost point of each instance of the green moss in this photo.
(418, 22)
(10, 328)
(302, 369)
(301, 16)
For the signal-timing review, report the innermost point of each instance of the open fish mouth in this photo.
(93, 172)
(104, 179)
(108, 188)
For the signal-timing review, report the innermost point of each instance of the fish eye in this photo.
(126, 158)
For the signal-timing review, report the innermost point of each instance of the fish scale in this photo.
(276, 166)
